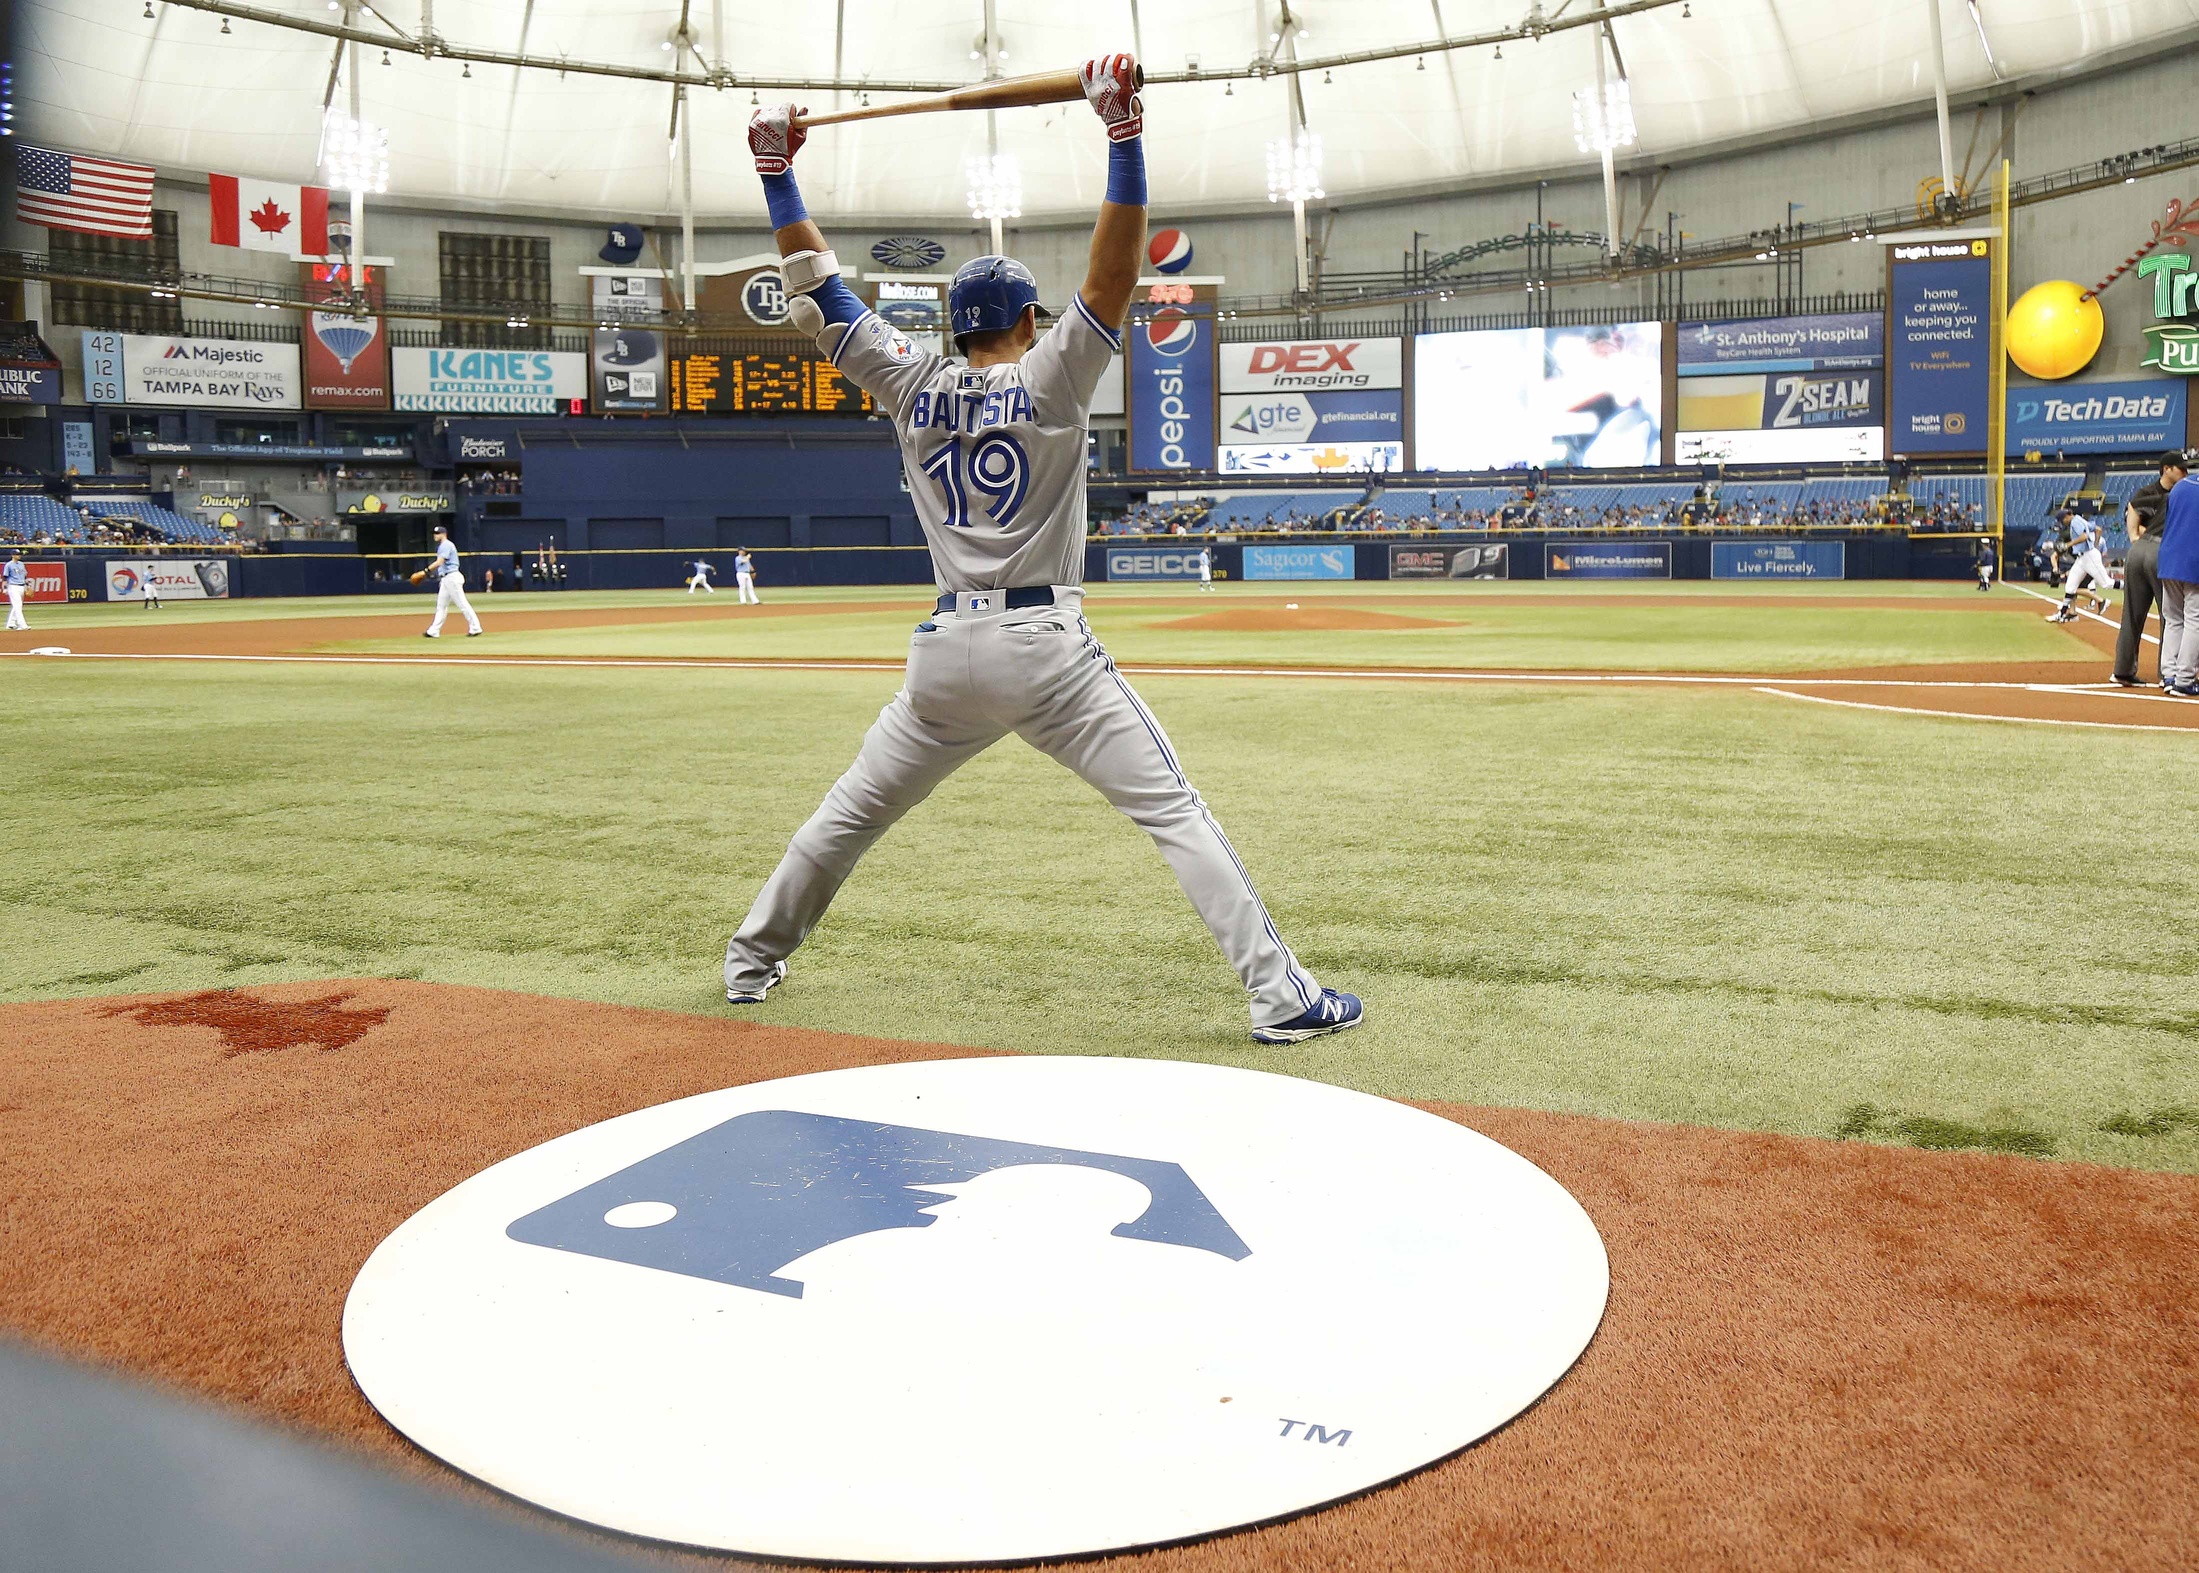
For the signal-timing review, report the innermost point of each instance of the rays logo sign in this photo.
(976, 1310)
(1171, 387)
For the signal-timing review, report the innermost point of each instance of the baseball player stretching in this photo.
(450, 588)
(2089, 567)
(17, 581)
(744, 573)
(994, 446)
(701, 576)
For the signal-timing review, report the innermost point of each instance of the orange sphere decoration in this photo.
(2054, 330)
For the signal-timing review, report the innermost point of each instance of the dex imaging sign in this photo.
(976, 1310)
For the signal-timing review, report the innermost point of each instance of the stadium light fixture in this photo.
(354, 154)
(995, 183)
(1606, 126)
(1294, 168)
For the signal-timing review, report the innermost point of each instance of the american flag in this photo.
(95, 195)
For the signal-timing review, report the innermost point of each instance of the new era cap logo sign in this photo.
(976, 1310)
(745, 1198)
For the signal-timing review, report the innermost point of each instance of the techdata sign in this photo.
(229, 374)
(2097, 417)
(969, 1311)
(1298, 562)
(1939, 358)
(1142, 565)
(1839, 342)
(489, 382)
(1304, 406)
(1170, 374)
(1778, 559)
(1633, 560)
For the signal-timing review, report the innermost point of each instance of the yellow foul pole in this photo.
(1996, 415)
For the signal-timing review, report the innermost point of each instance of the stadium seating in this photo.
(2031, 497)
(32, 517)
(1848, 490)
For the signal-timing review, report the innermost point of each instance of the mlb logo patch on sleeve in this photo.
(976, 1310)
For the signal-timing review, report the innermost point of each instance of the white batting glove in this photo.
(1111, 87)
(774, 138)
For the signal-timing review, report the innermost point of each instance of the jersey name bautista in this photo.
(970, 412)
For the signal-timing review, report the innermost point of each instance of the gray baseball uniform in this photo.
(995, 457)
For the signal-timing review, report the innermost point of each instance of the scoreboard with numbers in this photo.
(778, 384)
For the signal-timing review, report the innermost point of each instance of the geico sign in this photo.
(1152, 565)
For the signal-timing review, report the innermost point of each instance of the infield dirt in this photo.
(1816, 1353)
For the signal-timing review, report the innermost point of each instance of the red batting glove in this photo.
(1111, 86)
(774, 138)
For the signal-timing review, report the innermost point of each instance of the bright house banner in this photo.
(1171, 388)
(489, 382)
(2097, 417)
(1837, 342)
(1939, 360)
(133, 368)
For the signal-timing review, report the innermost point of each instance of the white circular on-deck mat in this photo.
(976, 1310)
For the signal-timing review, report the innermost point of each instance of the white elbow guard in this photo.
(805, 270)
(806, 315)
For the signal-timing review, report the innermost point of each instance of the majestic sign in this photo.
(489, 382)
(133, 368)
(1939, 359)
(966, 1311)
(2097, 417)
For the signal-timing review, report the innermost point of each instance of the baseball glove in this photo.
(418, 575)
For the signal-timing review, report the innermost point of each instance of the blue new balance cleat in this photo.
(735, 996)
(1333, 1012)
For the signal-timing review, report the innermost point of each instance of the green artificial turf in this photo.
(1779, 628)
(1707, 906)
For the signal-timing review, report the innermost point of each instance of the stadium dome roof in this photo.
(175, 91)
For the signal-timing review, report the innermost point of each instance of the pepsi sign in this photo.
(1171, 385)
(977, 1310)
(1169, 251)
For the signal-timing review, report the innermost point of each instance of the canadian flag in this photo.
(266, 216)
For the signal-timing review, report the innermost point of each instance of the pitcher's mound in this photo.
(1273, 619)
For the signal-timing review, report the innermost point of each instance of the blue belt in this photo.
(1011, 600)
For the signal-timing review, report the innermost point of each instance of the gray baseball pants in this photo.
(2179, 632)
(2141, 588)
(1041, 674)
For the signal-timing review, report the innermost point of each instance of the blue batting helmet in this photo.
(988, 294)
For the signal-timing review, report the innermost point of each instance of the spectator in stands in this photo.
(2178, 567)
(2142, 518)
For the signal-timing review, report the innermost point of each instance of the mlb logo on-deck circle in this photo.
(1169, 251)
(976, 1310)
(1172, 331)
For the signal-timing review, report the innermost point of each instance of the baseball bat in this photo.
(1015, 92)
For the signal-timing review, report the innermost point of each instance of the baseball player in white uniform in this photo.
(151, 590)
(1206, 568)
(744, 578)
(16, 579)
(2089, 568)
(450, 588)
(994, 443)
(701, 577)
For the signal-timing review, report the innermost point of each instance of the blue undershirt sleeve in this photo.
(1126, 172)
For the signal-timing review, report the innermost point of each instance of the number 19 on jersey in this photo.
(994, 467)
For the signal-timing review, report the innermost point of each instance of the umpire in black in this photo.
(2142, 518)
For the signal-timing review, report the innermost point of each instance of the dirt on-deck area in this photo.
(1816, 1354)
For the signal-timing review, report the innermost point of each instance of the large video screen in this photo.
(1561, 397)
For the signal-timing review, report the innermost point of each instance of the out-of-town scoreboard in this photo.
(769, 384)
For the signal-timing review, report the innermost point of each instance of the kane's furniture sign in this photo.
(489, 382)
(229, 374)
(1779, 559)
(1939, 361)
